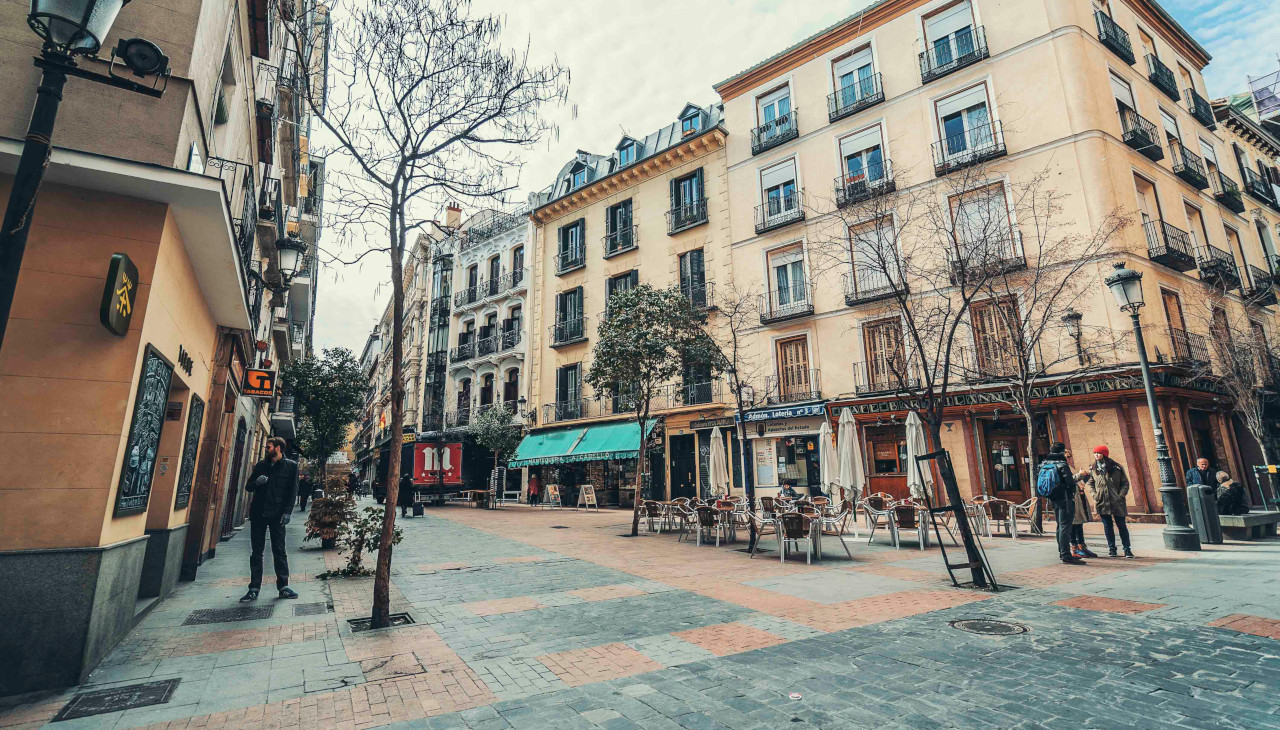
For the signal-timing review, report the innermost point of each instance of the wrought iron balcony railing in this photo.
(866, 285)
(1227, 192)
(701, 296)
(569, 331)
(987, 257)
(970, 147)
(1114, 37)
(571, 258)
(462, 353)
(1188, 347)
(1261, 289)
(1188, 166)
(778, 212)
(774, 132)
(458, 417)
(778, 305)
(884, 376)
(509, 339)
(1258, 187)
(1139, 133)
(1217, 267)
(619, 241)
(466, 296)
(487, 345)
(976, 365)
(953, 52)
(1162, 76)
(1200, 109)
(492, 227)
(856, 187)
(686, 215)
(794, 385)
(848, 100)
(1169, 245)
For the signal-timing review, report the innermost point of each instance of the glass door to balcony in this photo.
(693, 281)
(793, 370)
(854, 78)
(965, 123)
(949, 34)
(790, 287)
(863, 159)
(883, 341)
(775, 113)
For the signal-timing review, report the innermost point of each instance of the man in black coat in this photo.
(1063, 499)
(274, 486)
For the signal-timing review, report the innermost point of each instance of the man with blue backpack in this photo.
(1055, 482)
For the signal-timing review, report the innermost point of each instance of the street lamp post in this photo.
(1126, 285)
(68, 28)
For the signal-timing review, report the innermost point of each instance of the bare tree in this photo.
(425, 105)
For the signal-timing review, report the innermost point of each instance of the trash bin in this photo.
(1203, 501)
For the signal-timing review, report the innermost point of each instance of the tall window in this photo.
(568, 391)
(1210, 159)
(569, 306)
(688, 201)
(949, 33)
(778, 186)
(1195, 224)
(786, 270)
(885, 361)
(693, 278)
(572, 249)
(1172, 136)
(511, 387)
(517, 265)
(875, 260)
(994, 327)
(774, 109)
(983, 230)
(622, 282)
(794, 381)
(486, 389)
(862, 158)
(853, 74)
(618, 227)
(965, 121)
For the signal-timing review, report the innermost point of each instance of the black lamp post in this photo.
(69, 28)
(1126, 285)
(1072, 320)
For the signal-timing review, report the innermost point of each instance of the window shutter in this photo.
(674, 187)
(699, 191)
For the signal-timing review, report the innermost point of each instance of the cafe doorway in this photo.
(1004, 457)
(683, 467)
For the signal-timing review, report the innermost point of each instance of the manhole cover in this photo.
(397, 619)
(989, 626)
(117, 698)
(226, 615)
(559, 527)
(310, 609)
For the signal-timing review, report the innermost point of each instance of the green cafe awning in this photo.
(605, 442)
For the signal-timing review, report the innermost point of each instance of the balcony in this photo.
(462, 353)
(1227, 193)
(436, 361)
(778, 212)
(619, 241)
(701, 296)
(970, 147)
(854, 188)
(500, 223)
(796, 385)
(774, 132)
(597, 407)
(457, 418)
(1262, 287)
(864, 286)
(952, 53)
(851, 99)
(1114, 37)
(1188, 166)
(487, 345)
(1139, 133)
(1169, 246)
(884, 376)
(681, 395)
(568, 332)
(1217, 267)
(1200, 109)
(1188, 347)
(780, 305)
(1258, 187)
(571, 259)
(466, 297)
(999, 361)
(1160, 75)
(686, 215)
(986, 258)
(509, 339)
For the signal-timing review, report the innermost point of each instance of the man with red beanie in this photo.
(1108, 486)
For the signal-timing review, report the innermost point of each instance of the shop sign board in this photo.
(259, 383)
(119, 295)
(149, 406)
(426, 469)
(587, 498)
(806, 411)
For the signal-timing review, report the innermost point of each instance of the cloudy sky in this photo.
(634, 64)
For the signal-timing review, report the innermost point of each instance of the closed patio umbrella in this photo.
(719, 476)
(915, 447)
(852, 478)
(827, 467)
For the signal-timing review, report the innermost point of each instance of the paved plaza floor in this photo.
(528, 618)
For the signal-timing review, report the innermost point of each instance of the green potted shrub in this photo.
(331, 513)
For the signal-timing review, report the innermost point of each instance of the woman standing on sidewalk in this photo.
(1078, 546)
(1108, 486)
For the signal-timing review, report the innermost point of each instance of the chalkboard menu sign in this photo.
(190, 444)
(144, 434)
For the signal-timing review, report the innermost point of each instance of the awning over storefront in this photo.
(605, 442)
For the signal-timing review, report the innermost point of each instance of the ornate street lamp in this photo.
(291, 250)
(68, 29)
(1072, 320)
(1126, 286)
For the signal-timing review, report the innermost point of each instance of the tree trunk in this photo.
(381, 617)
(641, 454)
(1031, 466)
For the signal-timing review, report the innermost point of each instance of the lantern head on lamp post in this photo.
(291, 251)
(73, 27)
(1126, 287)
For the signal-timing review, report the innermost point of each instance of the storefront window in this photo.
(886, 450)
(798, 461)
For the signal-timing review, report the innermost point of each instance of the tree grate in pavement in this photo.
(364, 624)
(311, 609)
(87, 704)
(227, 615)
(988, 626)
(559, 527)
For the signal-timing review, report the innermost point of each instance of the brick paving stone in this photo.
(1111, 605)
(669, 650)
(598, 663)
(606, 593)
(503, 605)
(1245, 624)
(729, 638)
(515, 677)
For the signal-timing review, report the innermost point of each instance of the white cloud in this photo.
(1243, 36)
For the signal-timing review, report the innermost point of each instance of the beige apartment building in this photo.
(909, 97)
(655, 210)
(125, 455)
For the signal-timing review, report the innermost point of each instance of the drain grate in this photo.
(990, 627)
(227, 615)
(311, 609)
(559, 527)
(397, 619)
(115, 699)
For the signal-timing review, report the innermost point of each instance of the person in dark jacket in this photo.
(1063, 500)
(404, 498)
(1230, 496)
(1202, 474)
(1109, 488)
(304, 492)
(274, 486)
(353, 483)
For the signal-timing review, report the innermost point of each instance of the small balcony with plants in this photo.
(953, 52)
(863, 185)
(774, 132)
(1139, 133)
(1114, 37)
(685, 215)
(853, 98)
(1169, 245)
(1162, 77)
(1217, 267)
(571, 258)
(619, 241)
(973, 146)
(1227, 192)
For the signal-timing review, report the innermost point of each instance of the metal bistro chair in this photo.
(879, 514)
(878, 501)
(682, 517)
(793, 528)
(1027, 512)
(709, 519)
(836, 525)
(654, 515)
(906, 516)
(1000, 512)
(764, 526)
(768, 507)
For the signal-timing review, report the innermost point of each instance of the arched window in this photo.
(511, 387)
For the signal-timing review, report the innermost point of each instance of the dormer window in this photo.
(579, 178)
(690, 125)
(627, 154)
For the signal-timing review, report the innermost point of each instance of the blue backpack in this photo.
(1048, 481)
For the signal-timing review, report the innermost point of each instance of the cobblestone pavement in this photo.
(549, 619)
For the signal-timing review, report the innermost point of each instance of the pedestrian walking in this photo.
(1055, 483)
(273, 484)
(304, 493)
(535, 490)
(353, 483)
(1108, 486)
(404, 499)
